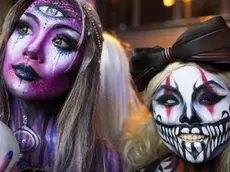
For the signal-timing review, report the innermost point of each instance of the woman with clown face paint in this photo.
(50, 51)
(187, 90)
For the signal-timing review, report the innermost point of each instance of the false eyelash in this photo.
(72, 43)
(22, 23)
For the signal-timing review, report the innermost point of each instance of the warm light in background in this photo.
(186, 1)
(168, 3)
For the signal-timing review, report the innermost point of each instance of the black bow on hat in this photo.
(208, 42)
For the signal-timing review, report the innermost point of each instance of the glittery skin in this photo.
(45, 30)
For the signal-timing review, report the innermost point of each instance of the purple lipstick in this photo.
(26, 72)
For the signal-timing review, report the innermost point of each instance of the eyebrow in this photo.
(61, 26)
(205, 85)
(167, 87)
(32, 16)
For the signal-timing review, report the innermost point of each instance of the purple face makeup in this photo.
(192, 113)
(42, 58)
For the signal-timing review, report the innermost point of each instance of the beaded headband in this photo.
(95, 25)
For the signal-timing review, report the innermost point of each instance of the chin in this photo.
(25, 95)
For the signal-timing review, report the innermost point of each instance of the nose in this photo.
(34, 51)
(190, 116)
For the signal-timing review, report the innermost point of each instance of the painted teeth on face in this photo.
(212, 130)
(197, 146)
(204, 130)
(188, 146)
(189, 157)
(221, 129)
(195, 131)
(163, 129)
(173, 132)
(171, 140)
(166, 131)
(217, 130)
(212, 145)
(185, 130)
(192, 137)
(209, 130)
(216, 141)
(177, 131)
(193, 143)
(223, 139)
(170, 132)
(220, 139)
(176, 145)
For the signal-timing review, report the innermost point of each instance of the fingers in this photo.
(15, 167)
(5, 161)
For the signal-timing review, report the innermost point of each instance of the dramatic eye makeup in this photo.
(167, 96)
(65, 42)
(209, 93)
(24, 28)
(209, 98)
(168, 100)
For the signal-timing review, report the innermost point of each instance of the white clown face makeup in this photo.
(42, 54)
(191, 109)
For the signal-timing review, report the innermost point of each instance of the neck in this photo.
(35, 109)
(34, 125)
(179, 165)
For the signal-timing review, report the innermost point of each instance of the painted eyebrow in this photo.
(61, 26)
(167, 87)
(32, 16)
(205, 85)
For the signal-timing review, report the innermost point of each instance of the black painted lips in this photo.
(26, 72)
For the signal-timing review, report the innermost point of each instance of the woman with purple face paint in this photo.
(50, 53)
(187, 89)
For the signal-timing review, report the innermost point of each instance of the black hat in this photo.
(208, 42)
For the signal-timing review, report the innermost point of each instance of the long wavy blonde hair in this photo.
(141, 142)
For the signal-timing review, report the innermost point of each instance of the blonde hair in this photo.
(142, 144)
(117, 98)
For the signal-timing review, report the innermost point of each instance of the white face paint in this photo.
(191, 109)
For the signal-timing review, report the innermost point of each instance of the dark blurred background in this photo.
(151, 22)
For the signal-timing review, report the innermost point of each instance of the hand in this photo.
(5, 162)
